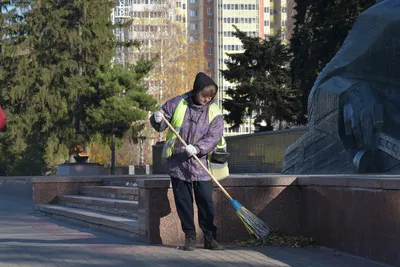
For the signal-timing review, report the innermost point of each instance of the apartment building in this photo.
(209, 22)
(201, 27)
(156, 25)
(152, 22)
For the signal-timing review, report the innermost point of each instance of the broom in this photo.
(253, 224)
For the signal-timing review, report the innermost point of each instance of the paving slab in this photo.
(31, 239)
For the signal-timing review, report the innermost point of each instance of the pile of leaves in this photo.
(277, 238)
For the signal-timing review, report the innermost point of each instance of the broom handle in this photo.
(195, 156)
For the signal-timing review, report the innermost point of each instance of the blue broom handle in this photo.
(198, 160)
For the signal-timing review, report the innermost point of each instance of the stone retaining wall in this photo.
(355, 214)
(249, 153)
(47, 189)
(274, 199)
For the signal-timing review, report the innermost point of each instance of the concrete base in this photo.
(77, 169)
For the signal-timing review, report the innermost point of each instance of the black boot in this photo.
(210, 242)
(190, 243)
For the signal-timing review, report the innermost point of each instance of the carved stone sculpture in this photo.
(354, 105)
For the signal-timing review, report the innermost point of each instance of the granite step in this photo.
(126, 208)
(128, 180)
(117, 192)
(117, 225)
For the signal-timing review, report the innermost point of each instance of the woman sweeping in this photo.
(195, 116)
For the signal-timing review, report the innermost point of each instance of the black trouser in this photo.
(184, 205)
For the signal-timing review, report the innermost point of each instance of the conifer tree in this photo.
(263, 83)
(55, 55)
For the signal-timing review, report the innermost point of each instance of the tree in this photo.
(56, 57)
(179, 74)
(55, 48)
(119, 98)
(263, 83)
(320, 29)
(22, 144)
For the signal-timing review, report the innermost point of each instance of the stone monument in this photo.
(354, 105)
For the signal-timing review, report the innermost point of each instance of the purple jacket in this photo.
(196, 131)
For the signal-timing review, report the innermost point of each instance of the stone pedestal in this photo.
(79, 169)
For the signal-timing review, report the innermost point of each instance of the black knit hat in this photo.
(202, 81)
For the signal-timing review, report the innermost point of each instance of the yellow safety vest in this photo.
(218, 170)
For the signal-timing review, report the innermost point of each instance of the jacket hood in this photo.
(201, 81)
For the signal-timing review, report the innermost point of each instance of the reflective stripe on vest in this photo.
(177, 121)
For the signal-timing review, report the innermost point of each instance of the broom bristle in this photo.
(253, 224)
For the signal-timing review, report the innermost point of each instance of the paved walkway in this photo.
(29, 239)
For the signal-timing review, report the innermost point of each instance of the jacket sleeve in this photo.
(168, 110)
(210, 140)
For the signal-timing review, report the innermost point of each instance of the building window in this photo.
(193, 13)
(266, 9)
(210, 38)
(210, 51)
(283, 23)
(210, 24)
(209, 1)
(210, 65)
(193, 1)
(209, 11)
(283, 9)
(193, 26)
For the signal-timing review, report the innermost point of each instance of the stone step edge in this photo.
(92, 217)
(112, 206)
(111, 230)
(110, 187)
(103, 188)
(100, 199)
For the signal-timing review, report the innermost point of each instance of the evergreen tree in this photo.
(54, 56)
(20, 143)
(320, 29)
(118, 99)
(262, 78)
